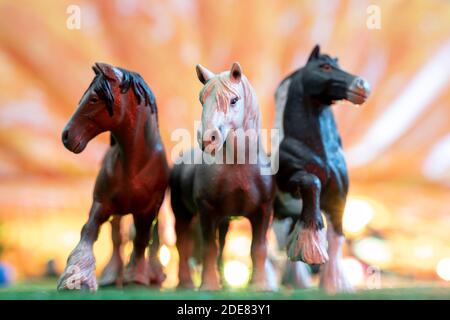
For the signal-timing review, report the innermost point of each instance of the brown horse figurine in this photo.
(217, 190)
(134, 175)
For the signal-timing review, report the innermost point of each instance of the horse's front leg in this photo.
(155, 268)
(307, 241)
(333, 278)
(260, 222)
(113, 272)
(137, 269)
(210, 274)
(80, 269)
(185, 244)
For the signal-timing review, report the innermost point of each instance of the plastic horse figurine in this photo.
(219, 191)
(312, 165)
(134, 174)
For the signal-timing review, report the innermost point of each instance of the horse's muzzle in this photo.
(212, 140)
(71, 144)
(358, 91)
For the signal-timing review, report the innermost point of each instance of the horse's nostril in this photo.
(65, 136)
(213, 138)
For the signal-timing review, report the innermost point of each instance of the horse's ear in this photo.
(203, 74)
(236, 72)
(96, 70)
(314, 53)
(110, 72)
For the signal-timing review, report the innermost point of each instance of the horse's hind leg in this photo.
(333, 278)
(113, 272)
(183, 224)
(210, 275)
(80, 269)
(137, 268)
(156, 273)
(260, 222)
(307, 241)
(223, 230)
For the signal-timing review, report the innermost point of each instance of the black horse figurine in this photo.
(312, 165)
(134, 174)
(219, 191)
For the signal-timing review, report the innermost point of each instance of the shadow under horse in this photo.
(134, 173)
(312, 174)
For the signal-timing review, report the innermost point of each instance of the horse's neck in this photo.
(137, 139)
(305, 117)
(311, 123)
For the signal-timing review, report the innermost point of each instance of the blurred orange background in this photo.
(397, 144)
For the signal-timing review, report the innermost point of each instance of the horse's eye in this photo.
(326, 67)
(93, 99)
(234, 101)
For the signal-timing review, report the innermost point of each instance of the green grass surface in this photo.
(45, 290)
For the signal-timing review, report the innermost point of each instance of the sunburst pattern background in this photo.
(398, 143)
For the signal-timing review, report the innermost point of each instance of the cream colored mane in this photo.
(224, 91)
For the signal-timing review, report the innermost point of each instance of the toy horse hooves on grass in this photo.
(113, 274)
(80, 270)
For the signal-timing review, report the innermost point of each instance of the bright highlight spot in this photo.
(164, 255)
(236, 273)
(69, 239)
(357, 215)
(373, 251)
(354, 270)
(443, 269)
(240, 246)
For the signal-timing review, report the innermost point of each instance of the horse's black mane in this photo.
(140, 88)
(101, 85)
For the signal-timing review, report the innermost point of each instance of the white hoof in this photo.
(80, 270)
(307, 245)
(333, 278)
(271, 276)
